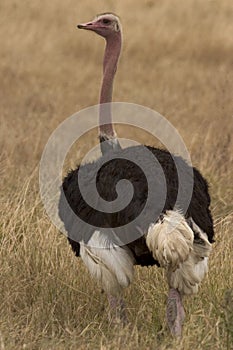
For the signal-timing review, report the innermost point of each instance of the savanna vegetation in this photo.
(177, 59)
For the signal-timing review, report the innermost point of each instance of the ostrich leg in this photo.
(175, 312)
(117, 313)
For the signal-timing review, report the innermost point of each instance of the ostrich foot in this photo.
(117, 313)
(175, 312)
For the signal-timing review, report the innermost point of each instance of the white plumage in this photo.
(170, 240)
(111, 265)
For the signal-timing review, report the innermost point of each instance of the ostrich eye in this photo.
(106, 21)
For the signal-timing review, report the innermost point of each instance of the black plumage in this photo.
(118, 168)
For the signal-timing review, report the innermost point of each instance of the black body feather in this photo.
(110, 173)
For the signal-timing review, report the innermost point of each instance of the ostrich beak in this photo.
(87, 26)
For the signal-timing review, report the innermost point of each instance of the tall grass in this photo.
(177, 60)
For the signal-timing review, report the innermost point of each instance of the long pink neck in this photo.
(111, 56)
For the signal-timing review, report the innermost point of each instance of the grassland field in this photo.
(178, 60)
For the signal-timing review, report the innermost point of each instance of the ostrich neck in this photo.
(111, 56)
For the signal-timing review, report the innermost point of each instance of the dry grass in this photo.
(177, 59)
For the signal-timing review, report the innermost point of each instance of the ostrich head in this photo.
(105, 24)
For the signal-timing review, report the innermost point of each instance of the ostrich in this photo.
(177, 239)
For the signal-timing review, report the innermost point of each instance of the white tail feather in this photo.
(189, 275)
(170, 240)
(172, 243)
(110, 264)
(192, 271)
